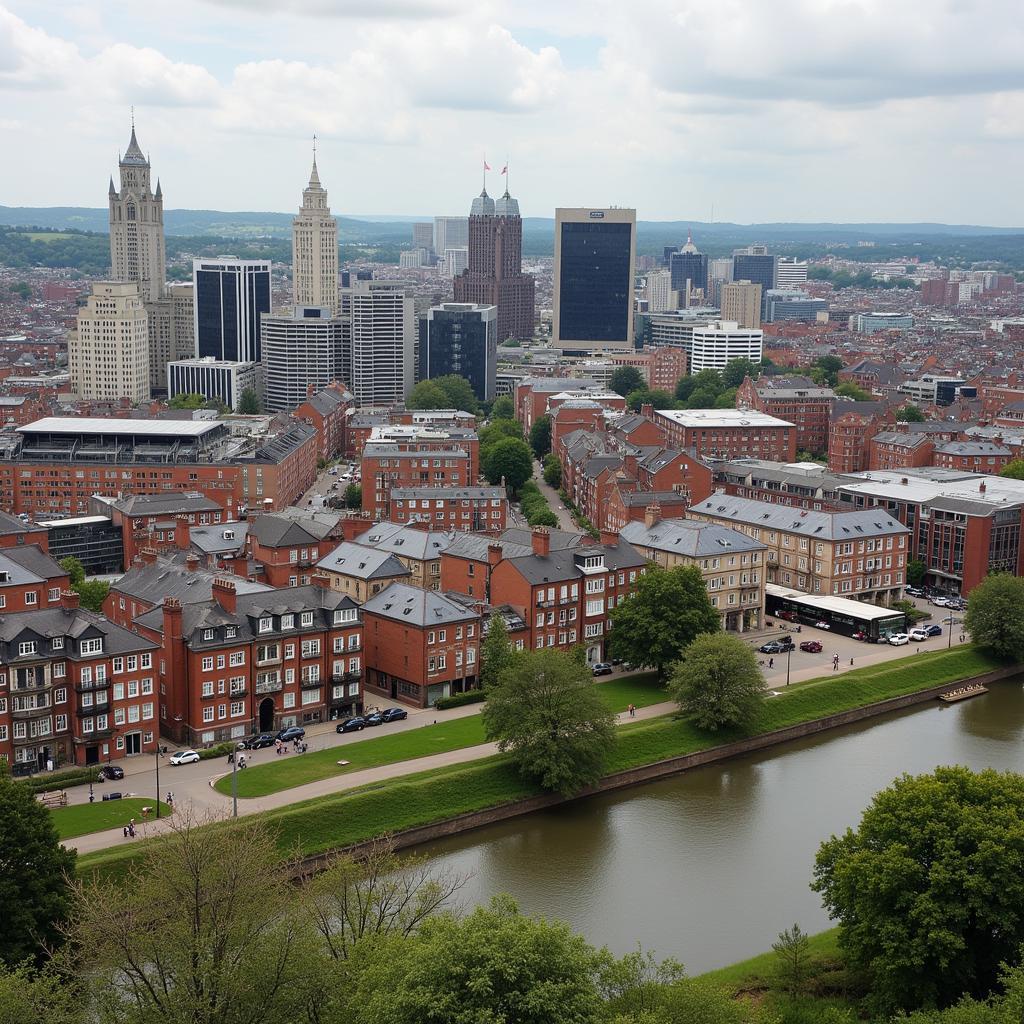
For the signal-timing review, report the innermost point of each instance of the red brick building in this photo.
(30, 579)
(797, 400)
(729, 433)
(287, 545)
(480, 509)
(327, 411)
(152, 520)
(852, 426)
(15, 532)
(386, 466)
(894, 449)
(972, 456)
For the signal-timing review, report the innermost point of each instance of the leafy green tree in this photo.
(793, 959)
(540, 436)
(34, 873)
(909, 414)
(726, 400)
(1014, 469)
(829, 366)
(508, 459)
(354, 496)
(496, 651)
(497, 430)
(43, 996)
(709, 379)
(544, 710)
(927, 889)
(503, 408)
(696, 1001)
(657, 399)
(850, 390)
(736, 370)
(668, 610)
(702, 398)
(1005, 1007)
(75, 570)
(685, 387)
(718, 682)
(625, 380)
(634, 985)
(916, 572)
(427, 394)
(552, 471)
(249, 402)
(458, 392)
(193, 400)
(995, 615)
(92, 594)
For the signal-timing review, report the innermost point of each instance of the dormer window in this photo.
(307, 618)
(58, 643)
(93, 646)
(287, 621)
(26, 647)
(207, 634)
(230, 632)
(266, 624)
(345, 615)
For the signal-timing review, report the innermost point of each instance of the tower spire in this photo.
(314, 176)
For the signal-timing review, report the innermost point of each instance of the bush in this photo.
(61, 779)
(220, 750)
(457, 700)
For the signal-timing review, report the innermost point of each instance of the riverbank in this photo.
(417, 808)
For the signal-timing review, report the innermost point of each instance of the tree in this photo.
(718, 682)
(74, 568)
(427, 394)
(702, 398)
(829, 366)
(1014, 469)
(192, 400)
(458, 392)
(43, 996)
(668, 610)
(497, 430)
(916, 571)
(544, 710)
(496, 651)
(909, 414)
(510, 460)
(927, 889)
(206, 929)
(793, 959)
(34, 872)
(503, 408)
(540, 436)
(850, 390)
(736, 370)
(685, 387)
(354, 496)
(552, 471)
(657, 399)
(248, 402)
(625, 380)
(995, 615)
(726, 400)
(91, 593)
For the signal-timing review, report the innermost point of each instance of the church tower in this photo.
(315, 249)
(137, 225)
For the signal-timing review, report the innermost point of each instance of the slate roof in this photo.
(448, 492)
(48, 623)
(972, 448)
(415, 606)
(474, 546)
(559, 539)
(173, 503)
(422, 545)
(565, 563)
(164, 578)
(30, 564)
(362, 562)
(211, 539)
(689, 537)
(12, 524)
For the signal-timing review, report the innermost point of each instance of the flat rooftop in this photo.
(721, 418)
(927, 484)
(839, 605)
(98, 425)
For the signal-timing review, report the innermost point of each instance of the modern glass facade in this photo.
(758, 269)
(595, 281)
(461, 338)
(689, 266)
(230, 297)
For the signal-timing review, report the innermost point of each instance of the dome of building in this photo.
(483, 206)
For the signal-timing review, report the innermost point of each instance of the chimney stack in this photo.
(182, 540)
(494, 554)
(981, 487)
(69, 600)
(148, 556)
(223, 592)
(609, 538)
(652, 515)
(321, 580)
(191, 561)
(541, 540)
(647, 410)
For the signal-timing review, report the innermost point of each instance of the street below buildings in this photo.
(565, 521)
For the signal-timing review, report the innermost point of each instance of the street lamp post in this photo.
(234, 783)
(157, 752)
(789, 656)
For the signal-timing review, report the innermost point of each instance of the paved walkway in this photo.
(554, 501)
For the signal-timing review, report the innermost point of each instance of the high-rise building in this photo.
(211, 378)
(413, 258)
(450, 233)
(171, 331)
(790, 273)
(462, 338)
(595, 257)
(741, 302)
(658, 291)
(456, 261)
(302, 350)
(230, 297)
(689, 270)
(755, 264)
(784, 304)
(423, 236)
(719, 271)
(137, 225)
(108, 352)
(378, 361)
(494, 276)
(315, 249)
(714, 345)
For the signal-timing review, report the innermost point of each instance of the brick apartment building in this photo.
(798, 400)
(153, 520)
(972, 456)
(327, 412)
(390, 465)
(729, 433)
(29, 580)
(15, 532)
(851, 428)
(417, 547)
(286, 546)
(464, 508)
(361, 571)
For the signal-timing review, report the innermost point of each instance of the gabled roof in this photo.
(165, 578)
(689, 537)
(77, 622)
(415, 606)
(212, 539)
(559, 539)
(172, 503)
(29, 564)
(407, 541)
(474, 546)
(361, 562)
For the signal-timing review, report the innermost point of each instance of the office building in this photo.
(423, 236)
(450, 233)
(595, 257)
(137, 225)
(658, 291)
(719, 272)
(494, 275)
(871, 323)
(108, 352)
(790, 273)
(413, 259)
(793, 305)
(741, 302)
(379, 358)
(728, 433)
(462, 338)
(756, 265)
(230, 297)
(673, 327)
(171, 331)
(302, 353)
(456, 261)
(211, 378)
(689, 270)
(714, 345)
(315, 249)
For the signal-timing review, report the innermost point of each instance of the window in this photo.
(310, 648)
(208, 663)
(220, 661)
(288, 621)
(31, 597)
(208, 714)
(237, 708)
(307, 618)
(118, 691)
(266, 624)
(118, 665)
(93, 646)
(60, 696)
(289, 651)
(133, 662)
(207, 634)
(237, 658)
(58, 643)
(207, 688)
(26, 647)
(54, 593)
(289, 700)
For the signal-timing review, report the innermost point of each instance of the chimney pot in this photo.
(223, 592)
(609, 538)
(494, 554)
(541, 540)
(182, 539)
(69, 600)
(652, 515)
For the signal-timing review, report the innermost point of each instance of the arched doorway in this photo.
(266, 714)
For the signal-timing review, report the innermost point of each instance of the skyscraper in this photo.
(450, 233)
(315, 249)
(595, 256)
(378, 359)
(459, 337)
(423, 235)
(790, 273)
(301, 350)
(741, 303)
(137, 225)
(495, 275)
(689, 270)
(230, 297)
(755, 264)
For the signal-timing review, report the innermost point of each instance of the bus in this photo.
(872, 622)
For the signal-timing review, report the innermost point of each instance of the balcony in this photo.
(545, 604)
(29, 679)
(20, 714)
(311, 684)
(269, 685)
(346, 677)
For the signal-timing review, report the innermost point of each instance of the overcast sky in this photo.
(803, 110)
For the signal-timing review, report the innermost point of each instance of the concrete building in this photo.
(137, 225)
(171, 331)
(714, 345)
(108, 352)
(595, 263)
(673, 328)
(793, 306)
(790, 273)
(871, 323)
(211, 378)
(301, 351)
(658, 291)
(741, 302)
(756, 264)
(315, 249)
(689, 275)
(423, 236)
(379, 359)
(456, 261)
(719, 272)
(450, 233)
(461, 338)
(230, 297)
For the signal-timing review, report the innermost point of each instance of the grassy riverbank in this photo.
(319, 825)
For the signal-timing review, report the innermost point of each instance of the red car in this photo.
(811, 647)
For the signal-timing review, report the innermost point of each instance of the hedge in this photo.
(61, 779)
(457, 700)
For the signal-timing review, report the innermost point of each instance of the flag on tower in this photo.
(487, 166)
(504, 169)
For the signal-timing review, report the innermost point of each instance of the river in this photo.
(709, 866)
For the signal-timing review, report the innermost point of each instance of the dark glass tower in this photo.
(462, 338)
(759, 269)
(230, 297)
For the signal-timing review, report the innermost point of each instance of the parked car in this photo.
(602, 668)
(859, 635)
(111, 771)
(356, 724)
(777, 646)
(292, 732)
(393, 715)
(899, 639)
(259, 741)
(788, 616)
(374, 718)
(811, 646)
(940, 601)
(933, 630)
(184, 757)
(919, 633)
(822, 624)
(914, 591)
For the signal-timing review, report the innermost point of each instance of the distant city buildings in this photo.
(379, 362)
(211, 378)
(461, 338)
(303, 351)
(741, 302)
(689, 273)
(450, 233)
(714, 345)
(230, 297)
(315, 249)
(757, 265)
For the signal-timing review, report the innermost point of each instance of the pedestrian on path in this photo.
(851, 663)
(771, 663)
(835, 662)
(170, 799)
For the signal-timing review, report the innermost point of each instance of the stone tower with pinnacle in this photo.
(315, 248)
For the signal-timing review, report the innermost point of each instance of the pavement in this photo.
(565, 521)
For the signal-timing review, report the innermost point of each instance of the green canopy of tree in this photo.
(42, 997)
(736, 369)
(718, 682)
(726, 400)
(508, 459)
(74, 568)
(91, 593)
(927, 889)
(503, 408)
(916, 572)
(497, 430)
(829, 366)
(625, 380)
(427, 394)
(496, 651)
(657, 399)
(552, 471)
(452, 391)
(668, 610)
(995, 615)
(685, 387)
(850, 390)
(354, 496)
(1004, 1007)
(249, 403)
(193, 400)
(545, 712)
(1014, 469)
(540, 436)
(34, 872)
(909, 414)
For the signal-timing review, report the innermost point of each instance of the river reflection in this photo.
(709, 866)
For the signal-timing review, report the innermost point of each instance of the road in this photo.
(554, 501)
(323, 482)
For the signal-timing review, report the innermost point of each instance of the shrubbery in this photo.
(457, 700)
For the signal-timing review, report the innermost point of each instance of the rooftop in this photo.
(96, 425)
(721, 418)
(688, 537)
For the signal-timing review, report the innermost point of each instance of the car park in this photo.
(602, 668)
(919, 633)
(292, 732)
(933, 630)
(111, 771)
(779, 646)
(899, 639)
(355, 724)
(811, 646)
(184, 757)
(259, 741)
(393, 715)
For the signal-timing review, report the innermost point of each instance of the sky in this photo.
(732, 110)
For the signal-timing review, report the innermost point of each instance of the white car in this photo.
(919, 634)
(899, 639)
(940, 602)
(184, 757)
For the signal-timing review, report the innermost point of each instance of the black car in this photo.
(374, 718)
(393, 715)
(111, 771)
(777, 646)
(933, 630)
(264, 739)
(602, 668)
(356, 724)
(292, 732)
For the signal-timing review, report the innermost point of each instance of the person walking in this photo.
(771, 663)
(835, 662)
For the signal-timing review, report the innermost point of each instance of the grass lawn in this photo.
(753, 972)
(81, 819)
(325, 823)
